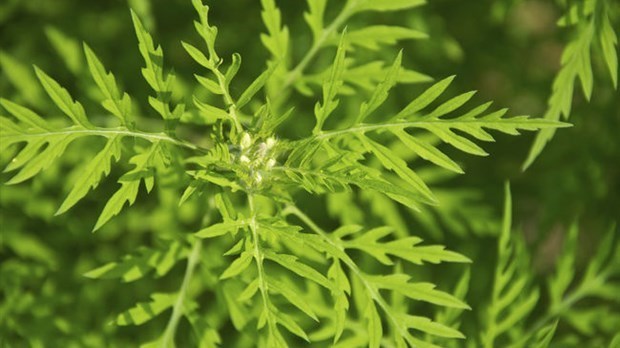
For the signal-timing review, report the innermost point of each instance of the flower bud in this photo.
(246, 141)
(270, 143)
(261, 152)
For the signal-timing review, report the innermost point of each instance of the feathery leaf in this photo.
(331, 86)
(63, 99)
(145, 311)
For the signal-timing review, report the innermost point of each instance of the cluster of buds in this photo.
(257, 157)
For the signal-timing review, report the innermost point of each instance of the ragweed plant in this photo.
(260, 264)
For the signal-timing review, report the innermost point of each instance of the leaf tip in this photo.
(60, 210)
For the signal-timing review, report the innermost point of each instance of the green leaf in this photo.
(338, 175)
(221, 229)
(90, 176)
(426, 325)
(36, 156)
(450, 316)
(427, 151)
(145, 311)
(235, 249)
(225, 206)
(392, 162)
(576, 12)
(292, 295)
(565, 269)
(387, 5)
(249, 291)
(375, 329)
(130, 183)
(605, 254)
(576, 63)
(237, 311)
(512, 300)
(210, 113)
(459, 142)
(26, 154)
(25, 115)
(153, 71)
(382, 91)
(135, 266)
(340, 291)
(207, 32)
(364, 76)
(117, 103)
(232, 70)
(403, 248)
(314, 17)
(209, 84)
(416, 291)
(275, 339)
(609, 41)
(21, 76)
(289, 323)
(372, 37)
(255, 86)
(545, 335)
(291, 263)
(408, 76)
(67, 48)
(197, 55)
(239, 265)
(63, 99)
(425, 98)
(277, 38)
(473, 123)
(207, 336)
(194, 187)
(450, 105)
(331, 86)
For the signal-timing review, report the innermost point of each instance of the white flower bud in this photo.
(270, 143)
(246, 141)
(258, 178)
(270, 163)
(262, 150)
(244, 159)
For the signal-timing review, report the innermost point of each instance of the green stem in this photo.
(177, 310)
(230, 102)
(490, 333)
(259, 257)
(317, 45)
(106, 132)
(447, 123)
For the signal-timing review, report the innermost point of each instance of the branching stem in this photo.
(290, 79)
(177, 310)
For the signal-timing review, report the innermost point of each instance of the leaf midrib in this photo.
(105, 132)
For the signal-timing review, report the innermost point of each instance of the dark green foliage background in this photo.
(508, 50)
